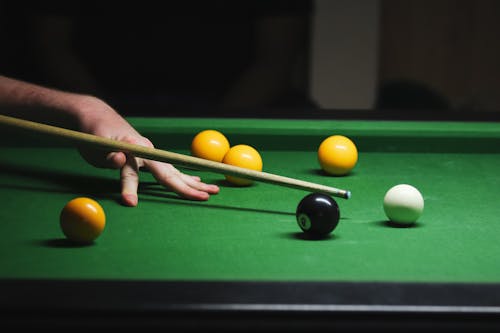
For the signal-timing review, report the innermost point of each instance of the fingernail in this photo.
(129, 200)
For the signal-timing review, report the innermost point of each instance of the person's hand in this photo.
(97, 117)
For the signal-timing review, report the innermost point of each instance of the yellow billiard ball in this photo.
(243, 156)
(210, 145)
(337, 155)
(82, 220)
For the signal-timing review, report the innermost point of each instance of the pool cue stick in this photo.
(177, 159)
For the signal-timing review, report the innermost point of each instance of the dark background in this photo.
(216, 57)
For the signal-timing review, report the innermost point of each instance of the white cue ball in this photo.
(403, 204)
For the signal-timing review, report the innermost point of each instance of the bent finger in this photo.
(196, 183)
(103, 159)
(130, 182)
(185, 186)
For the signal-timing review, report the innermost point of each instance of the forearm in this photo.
(27, 100)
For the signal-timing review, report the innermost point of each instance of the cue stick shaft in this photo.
(170, 157)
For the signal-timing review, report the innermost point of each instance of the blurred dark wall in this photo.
(181, 55)
(198, 56)
(443, 53)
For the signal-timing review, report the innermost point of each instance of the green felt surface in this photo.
(250, 233)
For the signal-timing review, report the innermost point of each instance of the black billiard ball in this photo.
(317, 214)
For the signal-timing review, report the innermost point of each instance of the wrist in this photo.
(86, 110)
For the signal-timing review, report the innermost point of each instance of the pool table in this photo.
(239, 260)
